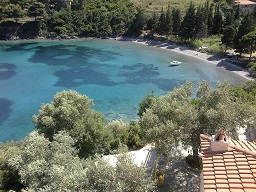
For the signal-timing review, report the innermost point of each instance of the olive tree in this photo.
(179, 117)
(49, 166)
(71, 111)
(46, 166)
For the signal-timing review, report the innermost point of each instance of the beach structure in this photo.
(228, 165)
(245, 5)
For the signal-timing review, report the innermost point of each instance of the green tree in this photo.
(187, 28)
(247, 25)
(138, 23)
(201, 25)
(36, 9)
(49, 166)
(161, 28)
(176, 15)
(152, 22)
(228, 37)
(169, 21)
(179, 118)
(217, 20)
(249, 42)
(72, 112)
(209, 15)
(13, 11)
(229, 18)
(45, 165)
(146, 103)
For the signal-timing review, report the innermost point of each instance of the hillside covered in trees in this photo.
(225, 24)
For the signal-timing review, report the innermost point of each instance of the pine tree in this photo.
(187, 28)
(247, 25)
(209, 8)
(169, 22)
(176, 15)
(201, 26)
(217, 20)
(228, 37)
(237, 13)
(229, 19)
(161, 23)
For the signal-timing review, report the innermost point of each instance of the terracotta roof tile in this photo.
(222, 186)
(236, 185)
(249, 185)
(210, 190)
(233, 176)
(249, 190)
(236, 190)
(234, 181)
(233, 170)
(225, 181)
(209, 186)
(221, 176)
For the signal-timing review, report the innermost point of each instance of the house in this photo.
(228, 165)
(245, 5)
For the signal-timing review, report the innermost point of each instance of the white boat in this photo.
(174, 63)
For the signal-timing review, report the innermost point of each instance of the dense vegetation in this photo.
(65, 151)
(101, 18)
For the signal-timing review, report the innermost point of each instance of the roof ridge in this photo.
(246, 151)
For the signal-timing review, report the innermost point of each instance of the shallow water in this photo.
(116, 75)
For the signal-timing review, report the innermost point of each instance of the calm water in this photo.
(116, 75)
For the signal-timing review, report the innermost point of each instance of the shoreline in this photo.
(183, 50)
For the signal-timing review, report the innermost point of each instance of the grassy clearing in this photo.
(156, 5)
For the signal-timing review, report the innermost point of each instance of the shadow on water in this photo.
(5, 106)
(147, 73)
(7, 71)
(18, 46)
(81, 68)
(78, 61)
(76, 77)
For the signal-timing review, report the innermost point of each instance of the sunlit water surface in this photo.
(116, 75)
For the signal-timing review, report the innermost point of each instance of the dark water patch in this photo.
(5, 109)
(139, 73)
(167, 84)
(77, 55)
(7, 70)
(18, 46)
(74, 77)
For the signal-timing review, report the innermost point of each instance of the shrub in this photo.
(252, 69)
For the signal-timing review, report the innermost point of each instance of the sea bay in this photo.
(117, 75)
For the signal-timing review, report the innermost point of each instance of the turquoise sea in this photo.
(116, 75)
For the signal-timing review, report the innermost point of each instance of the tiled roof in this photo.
(233, 170)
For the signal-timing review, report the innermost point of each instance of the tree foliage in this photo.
(187, 28)
(45, 165)
(72, 112)
(13, 11)
(179, 118)
(36, 9)
(248, 41)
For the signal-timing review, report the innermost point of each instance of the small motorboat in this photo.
(174, 63)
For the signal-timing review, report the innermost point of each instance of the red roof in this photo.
(233, 170)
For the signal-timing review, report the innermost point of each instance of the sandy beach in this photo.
(220, 62)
